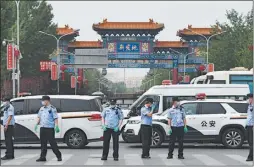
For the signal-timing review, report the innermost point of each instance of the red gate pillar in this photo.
(175, 75)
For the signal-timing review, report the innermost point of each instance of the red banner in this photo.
(54, 72)
(73, 81)
(9, 57)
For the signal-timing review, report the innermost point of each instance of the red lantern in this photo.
(63, 68)
(201, 68)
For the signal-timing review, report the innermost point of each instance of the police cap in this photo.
(250, 95)
(45, 98)
(175, 99)
(149, 100)
(113, 101)
(7, 98)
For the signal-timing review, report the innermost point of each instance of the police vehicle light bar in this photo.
(200, 96)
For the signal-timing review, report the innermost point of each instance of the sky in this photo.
(175, 15)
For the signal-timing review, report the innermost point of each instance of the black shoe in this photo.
(59, 159)
(104, 158)
(41, 159)
(249, 159)
(145, 157)
(6, 158)
(180, 157)
(170, 157)
(115, 159)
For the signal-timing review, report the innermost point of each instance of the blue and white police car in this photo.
(208, 120)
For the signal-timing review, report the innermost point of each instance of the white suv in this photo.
(211, 120)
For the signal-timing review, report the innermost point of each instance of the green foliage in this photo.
(230, 49)
(34, 16)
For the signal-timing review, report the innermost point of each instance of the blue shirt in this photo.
(112, 115)
(250, 115)
(145, 119)
(47, 115)
(177, 116)
(8, 111)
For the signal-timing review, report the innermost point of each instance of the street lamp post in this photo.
(18, 59)
(184, 59)
(207, 41)
(58, 55)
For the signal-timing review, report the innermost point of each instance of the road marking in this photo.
(207, 160)
(20, 160)
(239, 158)
(170, 162)
(133, 159)
(65, 157)
(94, 159)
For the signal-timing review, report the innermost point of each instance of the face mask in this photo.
(43, 103)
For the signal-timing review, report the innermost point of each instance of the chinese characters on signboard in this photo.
(211, 123)
(128, 47)
(45, 65)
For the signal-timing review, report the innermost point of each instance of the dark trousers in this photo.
(48, 134)
(250, 140)
(177, 133)
(9, 141)
(106, 142)
(146, 137)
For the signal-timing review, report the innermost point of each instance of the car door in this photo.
(194, 119)
(214, 114)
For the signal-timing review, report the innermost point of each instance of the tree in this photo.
(230, 49)
(34, 16)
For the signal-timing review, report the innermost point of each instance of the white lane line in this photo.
(94, 159)
(133, 159)
(20, 160)
(65, 157)
(239, 158)
(207, 160)
(170, 162)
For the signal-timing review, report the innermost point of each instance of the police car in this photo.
(79, 119)
(208, 120)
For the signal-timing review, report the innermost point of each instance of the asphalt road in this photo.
(195, 156)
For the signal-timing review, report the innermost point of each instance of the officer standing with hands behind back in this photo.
(146, 127)
(249, 126)
(112, 118)
(177, 128)
(48, 120)
(8, 123)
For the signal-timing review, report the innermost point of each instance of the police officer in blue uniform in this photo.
(249, 126)
(112, 118)
(48, 121)
(8, 123)
(177, 128)
(146, 127)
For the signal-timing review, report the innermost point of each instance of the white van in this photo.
(163, 94)
(79, 119)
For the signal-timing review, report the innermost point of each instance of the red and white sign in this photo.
(73, 81)
(186, 78)
(54, 72)
(210, 67)
(10, 58)
(45, 65)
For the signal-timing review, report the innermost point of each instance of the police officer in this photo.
(48, 121)
(146, 127)
(249, 126)
(112, 118)
(8, 123)
(177, 128)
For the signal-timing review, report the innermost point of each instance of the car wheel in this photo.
(124, 138)
(157, 137)
(76, 139)
(233, 138)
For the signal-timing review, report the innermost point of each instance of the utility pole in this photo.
(18, 59)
